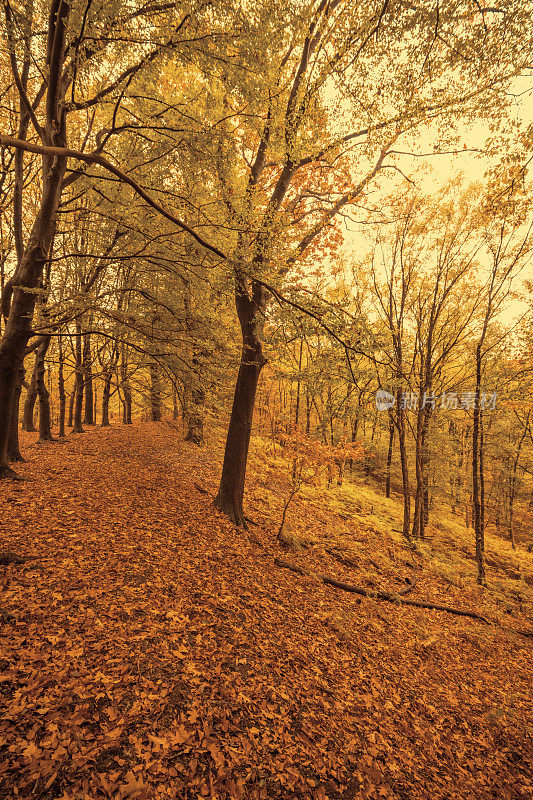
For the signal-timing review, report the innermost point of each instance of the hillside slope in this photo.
(150, 649)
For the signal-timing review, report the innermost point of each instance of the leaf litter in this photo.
(151, 650)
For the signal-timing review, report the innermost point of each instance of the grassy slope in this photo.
(152, 650)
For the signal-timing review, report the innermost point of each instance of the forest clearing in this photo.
(150, 649)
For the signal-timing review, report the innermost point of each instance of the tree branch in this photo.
(91, 158)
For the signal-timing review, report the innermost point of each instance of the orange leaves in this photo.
(132, 788)
(213, 674)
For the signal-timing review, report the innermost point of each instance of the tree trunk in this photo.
(476, 489)
(298, 387)
(88, 418)
(61, 390)
(175, 408)
(155, 393)
(14, 453)
(126, 390)
(29, 404)
(78, 402)
(45, 424)
(406, 489)
(251, 311)
(106, 393)
(231, 490)
(71, 403)
(513, 480)
(424, 522)
(195, 416)
(389, 454)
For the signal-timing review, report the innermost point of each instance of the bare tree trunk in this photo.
(45, 423)
(78, 402)
(424, 522)
(406, 489)
(71, 403)
(29, 404)
(88, 418)
(106, 393)
(476, 469)
(126, 390)
(389, 454)
(175, 408)
(250, 310)
(195, 416)
(14, 453)
(298, 386)
(513, 479)
(61, 390)
(155, 393)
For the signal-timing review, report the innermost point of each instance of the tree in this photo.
(508, 247)
(331, 43)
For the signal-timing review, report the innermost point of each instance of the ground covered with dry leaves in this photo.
(151, 650)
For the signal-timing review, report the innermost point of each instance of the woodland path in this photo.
(151, 650)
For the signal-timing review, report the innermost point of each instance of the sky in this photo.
(468, 165)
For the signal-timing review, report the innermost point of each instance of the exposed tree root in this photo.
(7, 472)
(233, 518)
(228, 507)
(389, 596)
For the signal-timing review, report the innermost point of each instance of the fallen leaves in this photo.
(153, 652)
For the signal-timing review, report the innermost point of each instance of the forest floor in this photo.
(149, 649)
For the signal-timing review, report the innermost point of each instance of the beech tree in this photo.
(272, 186)
(509, 248)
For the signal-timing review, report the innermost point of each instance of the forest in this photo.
(266, 400)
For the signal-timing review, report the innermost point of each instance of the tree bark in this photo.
(155, 393)
(29, 404)
(45, 423)
(406, 489)
(78, 401)
(195, 416)
(476, 489)
(513, 480)
(71, 402)
(88, 418)
(298, 387)
(126, 390)
(175, 408)
(389, 454)
(106, 393)
(250, 310)
(61, 390)
(14, 453)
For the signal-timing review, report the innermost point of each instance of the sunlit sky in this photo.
(469, 165)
